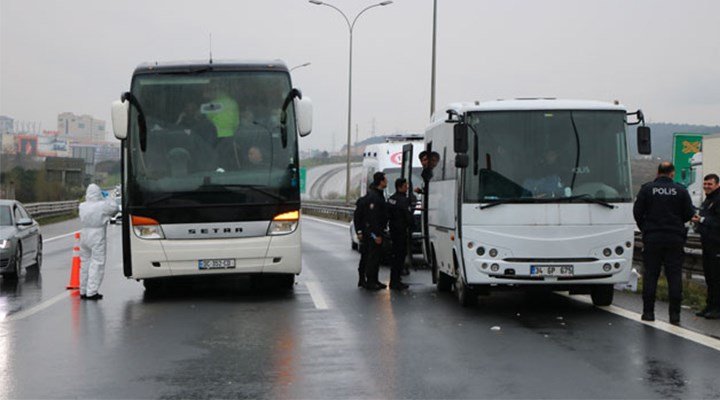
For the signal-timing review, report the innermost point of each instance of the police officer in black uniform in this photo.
(661, 209)
(359, 221)
(707, 223)
(401, 220)
(375, 223)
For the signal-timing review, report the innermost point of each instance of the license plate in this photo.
(551, 270)
(223, 263)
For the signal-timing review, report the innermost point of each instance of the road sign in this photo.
(302, 179)
(685, 145)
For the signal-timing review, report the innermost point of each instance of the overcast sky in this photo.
(659, 55)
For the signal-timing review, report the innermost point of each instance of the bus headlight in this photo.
(284, 223)
(4, 244)
(147, 228)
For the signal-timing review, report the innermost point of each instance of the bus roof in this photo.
(216, 65)
(527, 104)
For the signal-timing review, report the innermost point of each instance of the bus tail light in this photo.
(146, 228)
(284, 223)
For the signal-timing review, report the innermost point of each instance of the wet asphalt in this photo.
(209, 340)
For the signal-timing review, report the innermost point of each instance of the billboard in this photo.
(685, 145)
(27, 145)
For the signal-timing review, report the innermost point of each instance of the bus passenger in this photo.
(548, 183)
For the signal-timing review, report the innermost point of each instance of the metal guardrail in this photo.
(337, 212)
(53, 208)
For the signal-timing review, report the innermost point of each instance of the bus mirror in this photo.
(643, 140)
(683, 174)
(460, 138)
(461, 160)
(304, 110)
(120, 118)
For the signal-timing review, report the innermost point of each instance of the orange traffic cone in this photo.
(75, 272)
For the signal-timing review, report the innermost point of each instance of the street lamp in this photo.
(300, 66)
(350, 25)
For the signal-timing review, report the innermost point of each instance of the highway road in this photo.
(328, 339)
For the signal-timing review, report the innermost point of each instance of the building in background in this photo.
(6, 125)
(82, 128)
(86, 153)
(68, 171)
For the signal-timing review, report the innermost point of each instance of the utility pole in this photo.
(432, 75)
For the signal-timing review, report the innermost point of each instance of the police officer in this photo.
(375, 223)
(359, 222)
(708, 225)
(401, 218)
(661, 209)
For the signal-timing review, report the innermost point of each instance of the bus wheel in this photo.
(285, 282)
(152, 286)
(442, 280)
(602, 295)
(465, 295)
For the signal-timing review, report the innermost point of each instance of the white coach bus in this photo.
(531, 192)
(210, 181)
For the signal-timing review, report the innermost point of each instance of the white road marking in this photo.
(313, 286)
(38, 307)
(316, 295)
(59, 237)
(324, 221)
(660, 325)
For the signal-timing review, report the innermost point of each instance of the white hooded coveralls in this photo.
(95, 212)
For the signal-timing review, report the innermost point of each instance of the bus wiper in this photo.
(258, 189)
(588, 199)
(511, 200)
(160, 199)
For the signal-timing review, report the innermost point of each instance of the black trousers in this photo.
(711, 269)
(372, 263)
(655, 256)
(363, 248)
(399, 248)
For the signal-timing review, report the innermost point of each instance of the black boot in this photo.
(674, 312)
(361, 281)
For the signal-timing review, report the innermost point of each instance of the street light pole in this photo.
(350, 25)
(432, 75)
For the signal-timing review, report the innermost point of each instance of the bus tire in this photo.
(153, 286)
(443, 281)
(285, 282)
(602, 295)
(465, 295)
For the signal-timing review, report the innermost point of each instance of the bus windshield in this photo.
(528, 156)
(213, 138)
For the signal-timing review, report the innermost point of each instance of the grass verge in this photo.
(694, 293)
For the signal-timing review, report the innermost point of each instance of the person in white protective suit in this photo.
(95, 212)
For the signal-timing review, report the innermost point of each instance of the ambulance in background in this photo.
(387, 157)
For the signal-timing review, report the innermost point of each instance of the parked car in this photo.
(117, 218)
(20, 239)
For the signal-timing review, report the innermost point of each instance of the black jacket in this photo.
(359, 214)
(661, 209)
(709, 228)
(400, 214)
(375, 214)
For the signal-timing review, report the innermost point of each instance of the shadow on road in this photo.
(246, 289)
